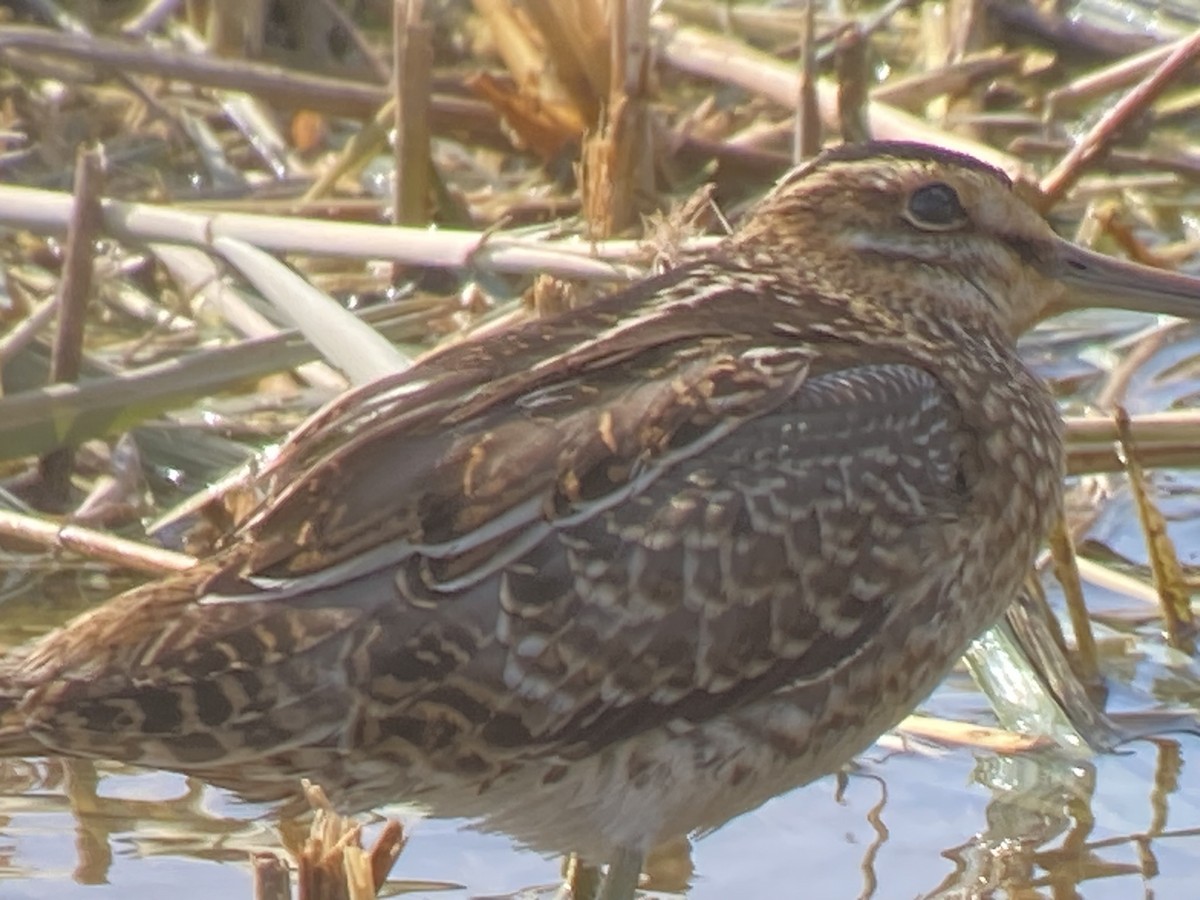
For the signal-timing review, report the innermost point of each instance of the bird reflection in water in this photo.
(1035, 833)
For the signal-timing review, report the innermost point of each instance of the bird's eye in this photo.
(935, 207)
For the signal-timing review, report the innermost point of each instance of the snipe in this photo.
(647, 564)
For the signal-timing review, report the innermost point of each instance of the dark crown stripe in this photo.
(908, 150)
(899, 151)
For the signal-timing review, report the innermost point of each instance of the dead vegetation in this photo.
(151, 152)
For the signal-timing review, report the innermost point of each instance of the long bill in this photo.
(1092, 279)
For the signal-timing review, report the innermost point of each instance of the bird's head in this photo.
(898, 220)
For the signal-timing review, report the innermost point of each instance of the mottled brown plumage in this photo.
(650, 562)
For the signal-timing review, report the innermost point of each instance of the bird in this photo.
(615, 575)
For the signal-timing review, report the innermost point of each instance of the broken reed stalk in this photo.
(74, 288)
(617, 161)
(850, 67)
(332, 863)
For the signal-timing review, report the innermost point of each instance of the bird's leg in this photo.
(624, 872)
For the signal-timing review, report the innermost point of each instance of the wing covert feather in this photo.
(766, 561)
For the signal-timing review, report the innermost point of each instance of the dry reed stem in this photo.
(414, 64)
(24, 332)
(1066, 570)
(1174, 596)
(355, 154)
(1101, 136)
(539, 109)
(271, 84)
(1167, 438)
(1102, 576)
(915, 90)
(92, 544)
(47, 212)
(1107, 460)
(1106, 79)
(806, 141)
(730, 62)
